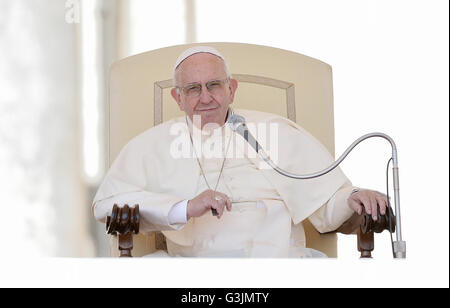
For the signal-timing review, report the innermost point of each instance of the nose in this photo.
(205, 96)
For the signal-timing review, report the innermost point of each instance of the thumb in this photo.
(355, 206)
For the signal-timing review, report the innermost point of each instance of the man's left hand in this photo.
(368, 199)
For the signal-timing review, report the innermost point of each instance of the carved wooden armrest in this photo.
(364, 226)
(123, 222)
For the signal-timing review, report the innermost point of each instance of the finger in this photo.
(219, 206)
(228, 204)
(225, 199)
(382, 202)
(354, 205)
(221, 195)
(214, 205)
(366, 203)
(384, 197)
(222, 209)
(373, 205)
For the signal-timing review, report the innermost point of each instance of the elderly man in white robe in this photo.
(258, 212)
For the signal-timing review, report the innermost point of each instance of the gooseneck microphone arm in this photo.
(237, 123)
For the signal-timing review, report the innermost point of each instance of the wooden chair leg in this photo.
(365, 244)
(125, 245)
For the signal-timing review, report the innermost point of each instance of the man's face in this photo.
(211, 106)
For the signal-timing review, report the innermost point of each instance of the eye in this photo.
(192, 89)
(213, 84)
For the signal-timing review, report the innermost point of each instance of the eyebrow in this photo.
(191, 84)
(196, 82)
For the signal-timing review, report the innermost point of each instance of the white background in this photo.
(390, 70)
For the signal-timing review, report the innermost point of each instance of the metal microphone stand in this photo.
(238, 125)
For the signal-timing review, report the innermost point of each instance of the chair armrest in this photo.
(364, 227)
(123, 222)
(366, 224)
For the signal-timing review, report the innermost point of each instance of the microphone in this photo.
(237, 123)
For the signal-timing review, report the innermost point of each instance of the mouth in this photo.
(206, 109)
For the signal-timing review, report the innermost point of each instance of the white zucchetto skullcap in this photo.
(196, 49)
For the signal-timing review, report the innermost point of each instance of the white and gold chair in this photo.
(270, 80)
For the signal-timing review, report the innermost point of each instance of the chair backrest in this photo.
(270, 80)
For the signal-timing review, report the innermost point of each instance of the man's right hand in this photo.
(206, 201)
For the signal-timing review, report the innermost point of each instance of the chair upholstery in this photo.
(270, 80)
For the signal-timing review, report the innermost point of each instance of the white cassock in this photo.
(267, 210)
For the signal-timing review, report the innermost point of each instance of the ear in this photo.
(176, 96)
(233, 86)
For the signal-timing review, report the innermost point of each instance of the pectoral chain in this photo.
(200, 165)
